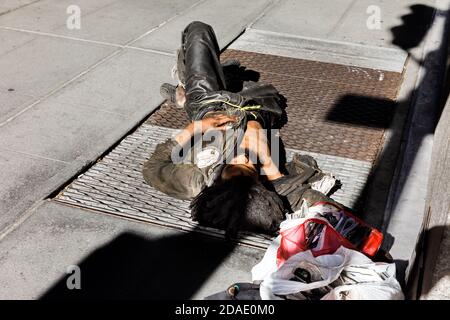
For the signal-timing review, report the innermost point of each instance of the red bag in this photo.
(320, 236)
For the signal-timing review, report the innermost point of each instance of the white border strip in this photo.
(345, 53)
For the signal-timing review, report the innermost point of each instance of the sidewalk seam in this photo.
(61, 86)
(270, 6)
(341, 19)
(53, 35)
(165, 22)
(19, 7)
(33, 155)
(22, 218)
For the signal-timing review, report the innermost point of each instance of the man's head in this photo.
(240, 165)
(239, 202)
(238, 169)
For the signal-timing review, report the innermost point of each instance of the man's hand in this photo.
(217, 122)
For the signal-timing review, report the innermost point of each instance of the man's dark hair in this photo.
(238, 203)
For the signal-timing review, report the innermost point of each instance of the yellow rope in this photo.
(234, 105)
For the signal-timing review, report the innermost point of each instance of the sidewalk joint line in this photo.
(33, 155)
(19, 7)
(66, 83)
(263, 12)
(22, 218)
(164, 53)
(341, 19)
(17, 47)
(54, 35)
(164, 22)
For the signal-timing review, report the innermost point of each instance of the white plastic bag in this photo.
(268, 264)
(369, 280)
(388, 290)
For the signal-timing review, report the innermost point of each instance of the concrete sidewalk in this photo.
(67, 96)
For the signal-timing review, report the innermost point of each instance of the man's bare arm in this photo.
(256, 141)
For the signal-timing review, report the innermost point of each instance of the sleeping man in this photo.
(221, 161)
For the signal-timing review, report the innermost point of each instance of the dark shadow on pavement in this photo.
(132, 267)
(414, 27)
(406, 36)
(372, 112)
(363, 111)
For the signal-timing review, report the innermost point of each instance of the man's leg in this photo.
(201, 69)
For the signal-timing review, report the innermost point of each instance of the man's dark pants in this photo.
(202, 69)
